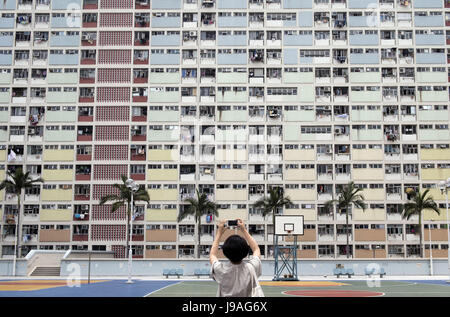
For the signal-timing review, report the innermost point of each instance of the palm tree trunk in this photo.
(18, 226)
(347, 251)
(420, 235)
(273, 223)
(199, 222)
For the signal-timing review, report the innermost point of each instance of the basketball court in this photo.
(208, 288)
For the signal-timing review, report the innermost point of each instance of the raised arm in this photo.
(215, 246)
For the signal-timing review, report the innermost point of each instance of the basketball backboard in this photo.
(288, 225)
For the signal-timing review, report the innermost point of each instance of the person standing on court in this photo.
(236, 277)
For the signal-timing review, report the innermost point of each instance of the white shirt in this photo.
(235, 280)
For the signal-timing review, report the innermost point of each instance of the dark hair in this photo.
(235, 248)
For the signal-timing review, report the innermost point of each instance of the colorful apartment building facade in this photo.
(230, 97)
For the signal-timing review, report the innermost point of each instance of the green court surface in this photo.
(341, 288)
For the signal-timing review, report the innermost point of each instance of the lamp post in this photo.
(444, 186)
(431, 247)
(15, 251)
(134, 188)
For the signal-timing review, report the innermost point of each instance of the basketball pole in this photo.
(287, 262)
(291, 226)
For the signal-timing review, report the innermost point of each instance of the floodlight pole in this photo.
(132, 186)
(130, 256)
(15, 246)
(431, 250)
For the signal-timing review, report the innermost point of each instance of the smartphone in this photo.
(232, 223)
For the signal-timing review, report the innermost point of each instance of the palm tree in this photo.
(349, 195)
(15, 183)
(124, 198)
(419, 202)
(272, 203)
(198, 207)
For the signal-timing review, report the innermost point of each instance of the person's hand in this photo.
(241, 224)
(221, 227)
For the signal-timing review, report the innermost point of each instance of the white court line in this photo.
(162, 288)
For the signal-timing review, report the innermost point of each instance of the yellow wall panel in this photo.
(436, 193)
(57, 195)
(162, 155)
(435, 154)
(57, 175)
(58, 155)
(436, 174)
(162, 175)
(161, 215)
(163, 194)
(429, 215)
(55, 215)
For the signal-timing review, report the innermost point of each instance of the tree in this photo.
(418, 202)
(15, 183)
(124, 198)
(348, 196)
(198, 207)
(272, 203)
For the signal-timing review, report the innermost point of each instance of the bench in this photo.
(342, 271)
(338, 272)
(173, 272)
(372, 271)
(202, 272)
(349, 272)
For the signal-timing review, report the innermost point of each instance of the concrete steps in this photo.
(46, 271)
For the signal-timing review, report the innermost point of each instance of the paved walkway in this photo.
(317, 286)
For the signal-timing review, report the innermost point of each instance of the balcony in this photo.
(83, 173)
(89, 39)
(140, 94)
(142, 4)
(90, 4)
(139, 133)
(141, 39)
(138, 153)
(139, 114)
(140, 58)
(84, 133)
(141, 20)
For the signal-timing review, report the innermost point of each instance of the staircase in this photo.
(46, 271)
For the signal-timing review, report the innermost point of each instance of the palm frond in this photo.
(107, 198)
(116, 205)
(184, 213)
(330, 203)
(142, 195)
